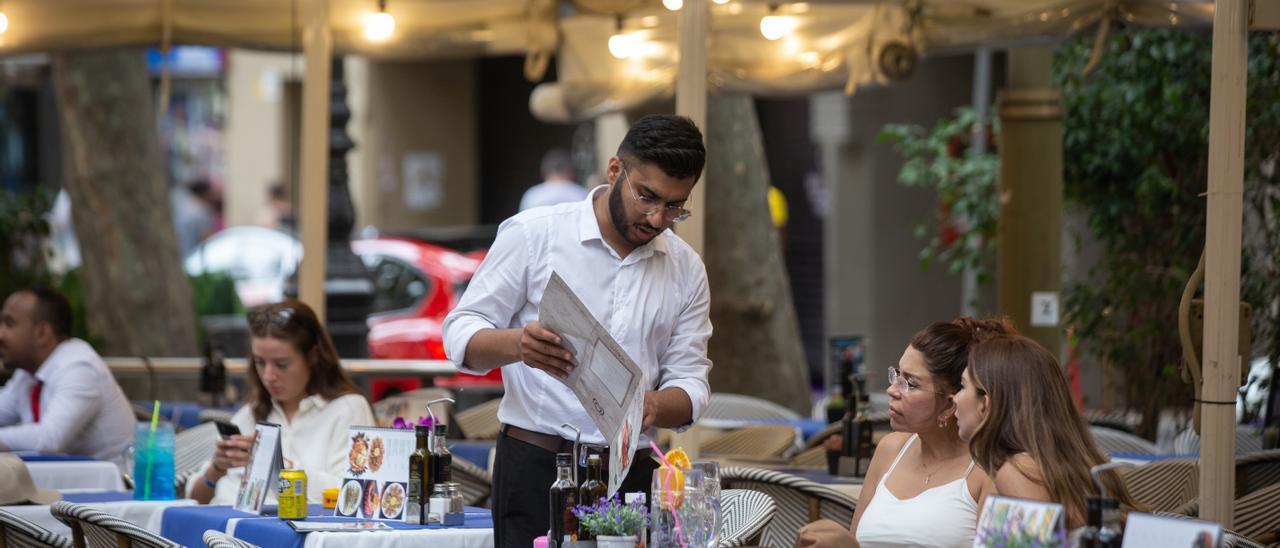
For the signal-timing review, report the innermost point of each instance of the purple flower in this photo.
(402, 424)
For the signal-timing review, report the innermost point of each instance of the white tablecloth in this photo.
(143, 513)
(88, 474)
(453, 538)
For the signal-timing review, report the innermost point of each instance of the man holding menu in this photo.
(644, 284)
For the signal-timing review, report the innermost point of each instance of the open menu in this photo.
(606, 380)
(376, 478)
(264, 466)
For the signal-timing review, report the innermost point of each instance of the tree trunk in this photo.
(137, 297)
(756, 346)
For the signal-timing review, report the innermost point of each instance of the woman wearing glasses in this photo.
(921, 488)
(1013, 388)
(297, 382)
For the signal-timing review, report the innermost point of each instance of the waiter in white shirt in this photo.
(642, 282)
(61, 398)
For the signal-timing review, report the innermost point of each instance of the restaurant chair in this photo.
(191, 449)
(16, 532)
(1123, 421)
(751, 442)
(1256, 471)
(103, 530)
(1248, 441)
(744, 515)
(1117, 441)
(737, 406)
(210, 415)
(475, 482)
(413, 404)
(1164, 485)
(799, 501)
(218, 539)
(1257, 515)
(479, 422)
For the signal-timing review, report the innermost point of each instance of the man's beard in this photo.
(618, 215)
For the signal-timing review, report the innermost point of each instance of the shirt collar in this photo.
(314, 401)
(589, 227)
(67, 351)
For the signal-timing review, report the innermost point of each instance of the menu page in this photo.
(1007, 521)
(1152, 531)
(261, 471)
(376, 480)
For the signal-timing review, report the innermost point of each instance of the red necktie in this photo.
(35, 401)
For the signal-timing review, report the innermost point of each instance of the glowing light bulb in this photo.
(774, 27)
(379, 26)
(673, 5)
(721, 2)
(4, 22)
(623, 46)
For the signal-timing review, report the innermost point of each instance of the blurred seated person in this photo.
(61, 398)
(557, 186)
(1016, 412)
(295, 381)
(922, 487)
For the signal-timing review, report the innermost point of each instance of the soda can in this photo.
(291, 492)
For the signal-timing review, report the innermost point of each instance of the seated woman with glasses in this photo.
(1016, 413)
(295, 381)
(921, 488)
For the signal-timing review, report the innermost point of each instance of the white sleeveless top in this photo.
(944, 516)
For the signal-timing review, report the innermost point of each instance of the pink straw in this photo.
(671, 498)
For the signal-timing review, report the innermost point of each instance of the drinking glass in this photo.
(711, 498)
(152, 454)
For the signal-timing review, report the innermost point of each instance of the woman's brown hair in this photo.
(1030, 411)
(294, 322)
(945, 346)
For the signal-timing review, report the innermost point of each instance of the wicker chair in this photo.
(104, 530)
(480, 422)
(1256, 471)
(1117, 441)
(799, 501)
(737, 406)
(210, 415)
(191, 449)
(1164, 486)
(763, 440)
(16, 532)
(745, 515)
(412, 405)
(218, 539)
(1247, 442)
(1256, 515)
(476, 482)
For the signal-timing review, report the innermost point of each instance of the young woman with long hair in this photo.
(296, 381)
(1016, 412)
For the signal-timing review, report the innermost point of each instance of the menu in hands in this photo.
(376, 478)
(263, 468)
(606, 381)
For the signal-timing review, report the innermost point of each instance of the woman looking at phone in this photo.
(296, 381)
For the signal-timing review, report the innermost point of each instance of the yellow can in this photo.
(291, 492)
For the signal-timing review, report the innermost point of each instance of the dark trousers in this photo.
(521, 498)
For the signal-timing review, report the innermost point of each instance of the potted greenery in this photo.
(615, 525)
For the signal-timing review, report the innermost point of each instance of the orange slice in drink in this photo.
(672, 482)
(678, 458)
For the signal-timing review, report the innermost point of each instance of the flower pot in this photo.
(604, 541)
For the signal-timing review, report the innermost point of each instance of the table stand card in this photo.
(1006, 521)
(1152, 531)
(376, 479)
(264, 466)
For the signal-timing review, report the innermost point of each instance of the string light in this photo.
(774, 26)
(621, 44)
(379, 26)
(673, 5)
(721, 2)
(4, 21)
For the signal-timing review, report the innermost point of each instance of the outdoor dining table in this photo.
(62, 472)
(143, 513)
(186, 526)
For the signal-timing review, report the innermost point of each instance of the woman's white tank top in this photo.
(944, 516)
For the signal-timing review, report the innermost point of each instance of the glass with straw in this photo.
(153, 459)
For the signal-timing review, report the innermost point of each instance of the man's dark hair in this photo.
(557, 162)
(53, 308)
(673, 143)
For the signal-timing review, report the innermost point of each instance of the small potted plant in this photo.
(615, 525)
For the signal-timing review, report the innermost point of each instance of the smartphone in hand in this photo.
(226, 429)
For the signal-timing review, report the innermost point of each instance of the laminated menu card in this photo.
(376, 477)
(260, 473)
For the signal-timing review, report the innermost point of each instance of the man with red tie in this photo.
(61, 398)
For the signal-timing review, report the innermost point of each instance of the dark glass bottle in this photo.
(1089, 536)
(419, 477)
(441, 458)
(857, 430)
(591, 492)
(564, 498)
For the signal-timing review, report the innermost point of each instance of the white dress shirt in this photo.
(82, 409)
(549, 193)
(315, 441)
(654, 302)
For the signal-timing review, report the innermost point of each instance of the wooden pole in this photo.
(313, 194)
(691, 101)
(1222, 276)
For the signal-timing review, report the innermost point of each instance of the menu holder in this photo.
(376, 477)
(337, 526)
(264, 465)
(1008, 521)
(1152, 531)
